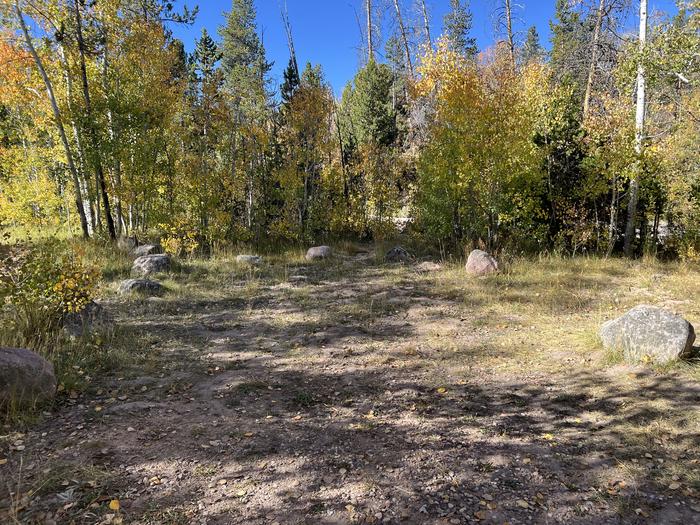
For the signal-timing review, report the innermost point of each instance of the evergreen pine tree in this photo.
(569, 44)
(458, 24)
(532, 50)
(206, 55)
(291, 81)
(373, 115)
(244, 65)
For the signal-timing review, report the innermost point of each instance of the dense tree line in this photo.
(109, 127)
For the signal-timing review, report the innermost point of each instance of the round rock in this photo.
(148, 264)
(92, 318)
(249, 260)
(141, 286)
(319, 252)
(428, 266)
(481, 263)
(25, 377)
(397, 255)
(648, 332)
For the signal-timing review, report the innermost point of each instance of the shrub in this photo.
(39, 285)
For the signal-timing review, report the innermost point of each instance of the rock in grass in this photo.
(428, 266)
(146, 249)
(148, 264)
(481, 263)
(141, 286)
(127, 244)
(398, 255)
(649, 333)
(92, 318)
(249, 260)
(25, 377)
(319, 252)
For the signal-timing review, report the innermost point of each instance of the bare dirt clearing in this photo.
(353, 392)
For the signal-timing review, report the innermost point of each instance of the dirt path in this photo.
(357, 393)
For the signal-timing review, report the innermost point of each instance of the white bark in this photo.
(57, 117)
(630, 230)
(404, 38)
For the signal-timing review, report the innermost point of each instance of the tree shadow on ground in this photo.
(328, 403)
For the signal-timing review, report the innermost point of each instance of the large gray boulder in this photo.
(148, 264)
(649, 333)
(398, 255)
(319, 252)
(481, 263)
(92, 318)
(146, 249)
(141, 286)
(26, 378)
(249, 260)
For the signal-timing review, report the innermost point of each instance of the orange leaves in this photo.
(15, 70)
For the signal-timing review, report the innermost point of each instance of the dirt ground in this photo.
(357, 392)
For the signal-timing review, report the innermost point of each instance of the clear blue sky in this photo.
(326, 31)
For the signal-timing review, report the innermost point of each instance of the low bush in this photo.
(39, 285)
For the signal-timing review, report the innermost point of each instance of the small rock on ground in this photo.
(25, 377)
(250, 260)
(398, 255)
(141, 286)
(319, 252)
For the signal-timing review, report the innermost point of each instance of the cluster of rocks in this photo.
(479, 262)
(149, 259)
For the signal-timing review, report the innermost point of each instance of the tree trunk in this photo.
(594, 58)
(426, 23)
(113, 137)
(630, 230)
(509, 28)
(290, 40)
(404, 38)
(370, 39)
(612, 226)
(57, 118)
(96, 154)
(84, 188)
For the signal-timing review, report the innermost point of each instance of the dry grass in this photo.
(533, 325)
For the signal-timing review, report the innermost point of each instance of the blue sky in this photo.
(326, 31)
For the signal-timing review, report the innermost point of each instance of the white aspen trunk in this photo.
(631, 230)
(370, 39)
(426, 23)
(57, 118)
(404, 38)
